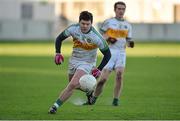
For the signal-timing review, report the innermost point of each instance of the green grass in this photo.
(47, 49)
(30, 82)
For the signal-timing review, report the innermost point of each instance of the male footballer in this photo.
(86, 41)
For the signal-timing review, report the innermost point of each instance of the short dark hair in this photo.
(85, 15)
(119, 2)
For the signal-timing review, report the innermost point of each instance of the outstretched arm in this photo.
(59, 57)
(58, 42)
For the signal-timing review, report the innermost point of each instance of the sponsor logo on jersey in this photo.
(84, 45)
(117, 33)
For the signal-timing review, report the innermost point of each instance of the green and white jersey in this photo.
(119, 29)
(85, 45)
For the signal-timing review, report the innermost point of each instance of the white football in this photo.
(87, 82)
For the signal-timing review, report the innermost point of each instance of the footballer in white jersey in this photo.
(86, 41)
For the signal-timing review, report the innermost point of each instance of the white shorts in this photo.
(118, 59)
(82, 65)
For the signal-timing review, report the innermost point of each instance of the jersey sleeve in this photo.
(129, 32)
(104, 27)
(68, 31)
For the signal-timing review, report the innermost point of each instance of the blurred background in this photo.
(152, 20)
(30, 81)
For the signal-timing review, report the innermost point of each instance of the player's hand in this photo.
(131, 44)
(96, 72)
(111, 40)
(58, 58)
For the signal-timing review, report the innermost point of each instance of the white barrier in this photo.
(25, 30)
(156, 32)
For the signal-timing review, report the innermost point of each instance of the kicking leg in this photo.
(67, 92)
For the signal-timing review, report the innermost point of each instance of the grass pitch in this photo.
(30, 82)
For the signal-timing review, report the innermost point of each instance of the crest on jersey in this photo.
(88, 40)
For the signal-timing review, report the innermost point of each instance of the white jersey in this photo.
(119, 29)
(85, 45)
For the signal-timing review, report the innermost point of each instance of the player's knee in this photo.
(119, 75)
